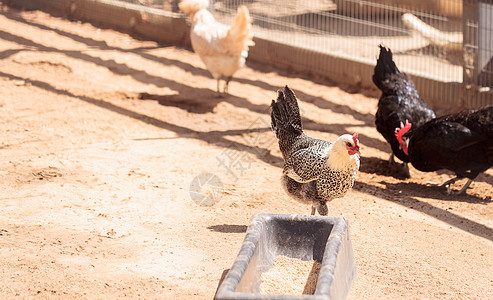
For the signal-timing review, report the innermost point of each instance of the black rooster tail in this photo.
(285, 115)
(384, 68)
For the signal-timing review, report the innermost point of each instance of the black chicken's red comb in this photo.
(399, 132)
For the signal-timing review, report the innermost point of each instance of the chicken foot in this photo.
(444, 184)
(463, 189)
(320, 206)
(449, 182)
(226, 85)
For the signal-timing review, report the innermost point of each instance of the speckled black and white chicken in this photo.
(315, 171)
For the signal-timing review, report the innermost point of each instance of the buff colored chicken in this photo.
(223, 49)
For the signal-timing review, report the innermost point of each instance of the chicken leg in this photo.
(391, 159)
(320, 206)
(405, 166)
(226, 85)
(407, 173)
(218, 91)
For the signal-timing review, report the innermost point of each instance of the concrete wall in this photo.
(150, 23)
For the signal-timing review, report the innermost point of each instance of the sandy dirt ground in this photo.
(102, 137)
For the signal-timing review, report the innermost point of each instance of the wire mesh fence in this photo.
(448, 41)
(485, 43)
(355, 28)
(478, 43)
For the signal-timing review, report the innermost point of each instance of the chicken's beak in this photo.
(356, 150)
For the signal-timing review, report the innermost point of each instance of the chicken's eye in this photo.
(348, 144)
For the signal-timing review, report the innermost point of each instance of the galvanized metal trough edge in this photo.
(334, 262)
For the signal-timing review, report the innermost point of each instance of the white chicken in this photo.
(223, 49)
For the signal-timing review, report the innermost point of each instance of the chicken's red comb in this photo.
(399, 132)
(355, 139)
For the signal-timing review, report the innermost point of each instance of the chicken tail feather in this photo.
(285, 114)
(385, 67)
(241, 30)
(193, 6)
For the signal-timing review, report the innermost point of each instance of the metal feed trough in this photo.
(323, 239)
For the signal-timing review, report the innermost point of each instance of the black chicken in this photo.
(461, 142)
(399, 101)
